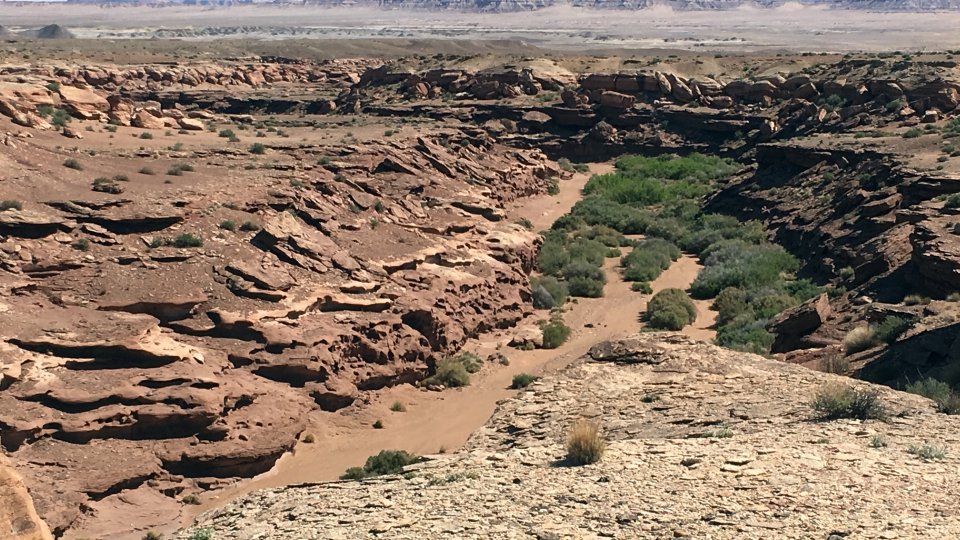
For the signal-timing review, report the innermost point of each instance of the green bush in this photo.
(522, 380)
(228, 225)
(385, 462)
(931, 388)
(641, 287)
(187, 240)
(555, 332)
(649, 259)
(258, 148)
(72, 163)
(671, 309)
(912, 133)
(745, 333)
(549, 292)
(451, 372)
(250, 226)
(952, 201)
(584, 279)
(835, 401)
(735, 263)
(891, 328)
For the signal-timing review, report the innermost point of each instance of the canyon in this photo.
(206, 264)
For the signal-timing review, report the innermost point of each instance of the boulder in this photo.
(191, 124)
(616, 100)
(792, 325)
(145, 120)
(83, 103)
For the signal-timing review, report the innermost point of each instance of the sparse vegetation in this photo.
(912, 133)
(228, 225)
(10, 204)
(81, 244)
(454, 371)
(585, 444)
(555, 332)
(378, 424)
(258, 148)
(179, 169)
(927, 451)
(308, 438)
(835, 401)
(891, 328)
(859, 339)
(146, 171)
(146, 135)
(72, 163)
(522, 380)
(398, 407)
(835, 363)
(386, 462)
(190, 499)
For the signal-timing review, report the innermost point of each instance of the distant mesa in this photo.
(52, 31)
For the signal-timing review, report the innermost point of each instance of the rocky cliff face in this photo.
(698, 435)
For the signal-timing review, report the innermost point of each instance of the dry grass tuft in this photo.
(585, 445)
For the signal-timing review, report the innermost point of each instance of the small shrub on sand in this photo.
(522, 380)
(386, 462)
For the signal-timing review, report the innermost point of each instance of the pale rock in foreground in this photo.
(704, 443)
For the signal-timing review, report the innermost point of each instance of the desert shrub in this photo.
(523, 222)
(451, 372)
(190, 499)
(555, 332)
(146, 135)
(859, 339)
(250, 226)
(549, 292)
(584, 279)
(385, 462)
(915, 300)
(745, 333)
(930, 388)
(730, 303)
(847, 272)
(72, 163)
(60, 118)
(81, 244)
(10, 204)
(891, 328)
(649, 259)
(228, 225)
(952, 201)
(641, 287)
(378, 424)
(227, 134)
(187, 240)
(398, 407)
(585, 444)
(522, 380)
(671, 309)
(735, 263)
(597, 210)
(553, 253)
(912, 133)
(180, 168)
(927, 451)
(834, 401)
(146, 171)
(835, 363)
(258, 148)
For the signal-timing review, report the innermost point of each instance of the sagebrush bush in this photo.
(522, 380)
(548, 292)
(930, 388)
(835, 363)
(385, 462)
(451, 372)
(555, 332)
(671, 309)
(834, 401)
(859, 339)
(585, 444)
(891, 328)
(10, 204)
